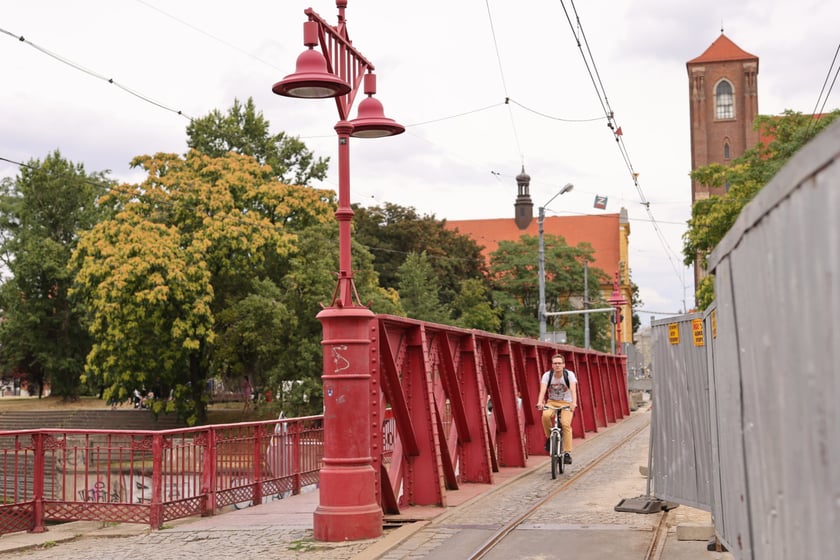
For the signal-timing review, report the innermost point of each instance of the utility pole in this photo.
(541, 258)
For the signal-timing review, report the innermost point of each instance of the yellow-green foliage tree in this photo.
(185, 246)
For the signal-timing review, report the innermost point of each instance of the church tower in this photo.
(723, 95)
(523, 207)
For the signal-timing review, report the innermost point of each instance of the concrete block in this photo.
(695, 532)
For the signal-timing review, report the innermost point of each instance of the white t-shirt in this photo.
(558, 391)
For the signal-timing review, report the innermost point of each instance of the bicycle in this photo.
(556, 442)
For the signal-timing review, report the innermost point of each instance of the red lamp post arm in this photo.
(343, 59)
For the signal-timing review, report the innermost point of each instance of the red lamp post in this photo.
(348, 507)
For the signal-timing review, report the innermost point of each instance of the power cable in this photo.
(89, 72)
(597, 82)
(816, 112)
(550, 116)
(504, 84)
(465, 113)
(210, 35)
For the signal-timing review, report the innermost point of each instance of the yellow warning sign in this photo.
(674, 333)
(697, 331)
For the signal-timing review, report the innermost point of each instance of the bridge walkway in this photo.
(283, 528)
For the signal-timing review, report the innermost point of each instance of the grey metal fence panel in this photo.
(681, 468)
(637, 378)
(729, 486)
(779, 270)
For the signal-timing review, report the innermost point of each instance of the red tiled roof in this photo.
(601, 231)
(723, 50)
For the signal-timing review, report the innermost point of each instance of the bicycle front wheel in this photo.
(556, 456)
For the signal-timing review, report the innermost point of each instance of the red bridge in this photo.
(432, 429)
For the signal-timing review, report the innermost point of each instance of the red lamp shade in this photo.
(311, 79)
(372, 122)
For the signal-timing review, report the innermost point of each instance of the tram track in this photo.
(535, 517)
(654, 548)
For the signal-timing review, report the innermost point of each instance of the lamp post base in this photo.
(348, 507)
(359, 517)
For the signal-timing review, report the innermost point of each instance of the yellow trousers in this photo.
(565, 422)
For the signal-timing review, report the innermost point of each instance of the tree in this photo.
(245, 131)
(418, 290)
(42, 213)
(711, 218)
(472, 308)
(189, 247)
(249, 337)
(514, 269)
(391, 232)
(306, 286)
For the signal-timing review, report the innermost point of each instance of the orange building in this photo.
(608, 234)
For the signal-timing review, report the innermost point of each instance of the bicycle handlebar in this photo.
(544, 407)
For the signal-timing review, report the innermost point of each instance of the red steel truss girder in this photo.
(409, 390)
(509, 420)
(436, 382)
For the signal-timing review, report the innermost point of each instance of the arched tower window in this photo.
(724, 101)
(726, 151)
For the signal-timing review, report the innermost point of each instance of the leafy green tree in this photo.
(42, 213)
(515, 269)
(472, 307)
(245, 131)
(419, 292)
(391, 232)
(306, 287)
(189, 248)
(249, 339)
(711, 218)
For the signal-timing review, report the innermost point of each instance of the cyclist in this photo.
(562, 391)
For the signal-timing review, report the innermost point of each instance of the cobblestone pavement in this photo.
(455, 533)
(216, 544)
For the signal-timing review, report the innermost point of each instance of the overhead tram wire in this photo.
(619, 137)
(89, 72)
(508, 100)
(465, 113)
(210, 35)
(817, 108)
(128, 191)
(504, 83)
(597, 83)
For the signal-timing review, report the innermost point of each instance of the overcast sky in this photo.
(445, 69)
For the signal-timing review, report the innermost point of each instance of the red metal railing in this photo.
(152, 477)
(431, 430)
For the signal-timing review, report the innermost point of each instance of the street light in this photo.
(348, 508)
(541, 218)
